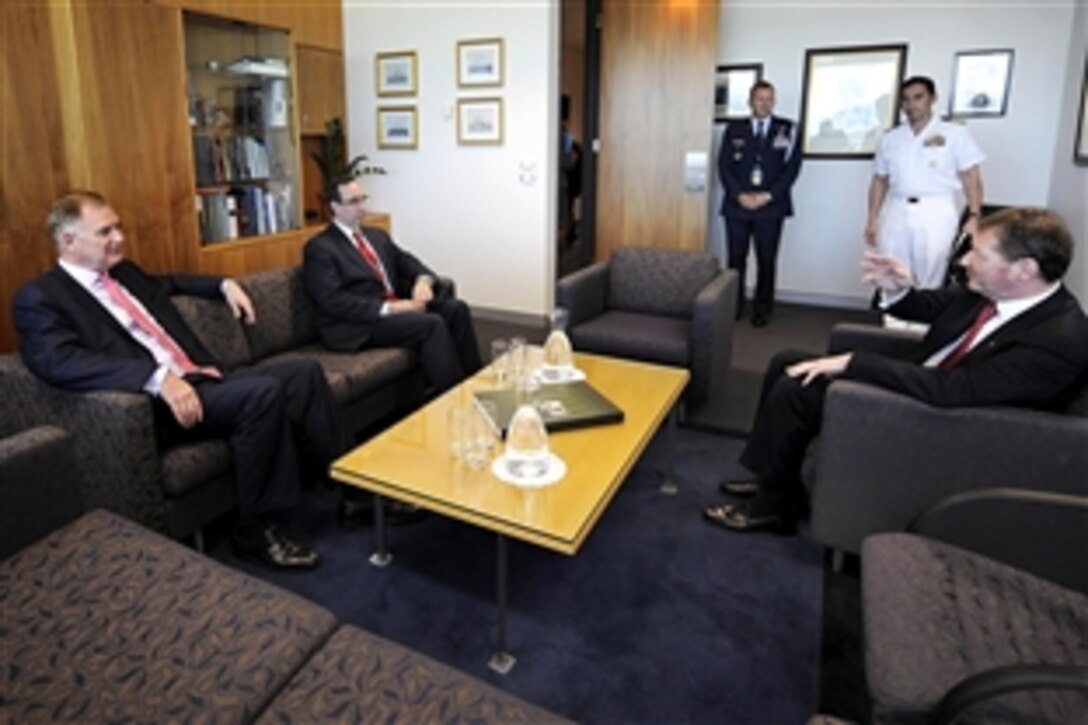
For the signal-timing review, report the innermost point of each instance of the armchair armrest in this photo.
(583, 293)
(114, 437)
(850, 336)
(38, 487)
(1004, 680)
(1017, 526)
(712, 334)
(883, 458)
(444, 289)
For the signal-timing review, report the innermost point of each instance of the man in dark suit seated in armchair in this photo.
(1013, 336)
(99, 322)
(367, 291)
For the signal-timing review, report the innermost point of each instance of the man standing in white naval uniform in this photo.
(919, 168)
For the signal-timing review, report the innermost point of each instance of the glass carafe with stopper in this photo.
(558, 360)
(526, 453)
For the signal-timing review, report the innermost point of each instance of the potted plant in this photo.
(332, 159)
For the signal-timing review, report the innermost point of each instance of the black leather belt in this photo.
(913, 200)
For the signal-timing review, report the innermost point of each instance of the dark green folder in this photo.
(562, 407)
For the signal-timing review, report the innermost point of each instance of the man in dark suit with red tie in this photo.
(758, 163)
(367, 291)
(99, 322)
(1015, 336)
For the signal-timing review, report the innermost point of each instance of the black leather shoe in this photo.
(759, 320)
(275, 549)
(744, 487)
(742, 517)
(360, 512)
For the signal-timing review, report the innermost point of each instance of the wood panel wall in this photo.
(657, 81)
(94, 97)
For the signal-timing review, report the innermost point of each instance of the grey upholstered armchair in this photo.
(38, 492)
(953, 633)
(655, 305)
(882, 459)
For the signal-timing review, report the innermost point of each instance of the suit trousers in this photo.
(443, 337)
(787, 421)
(283, 424)
(767, 233)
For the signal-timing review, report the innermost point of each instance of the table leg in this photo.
(501, 660)
(380, 557)
(668, 483)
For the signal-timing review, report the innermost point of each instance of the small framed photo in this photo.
(980, 83)
(396, 73)
(851, 96)
(479, 121)
(398, 127)
(1080, 148)
(480, 63)
(732, 85)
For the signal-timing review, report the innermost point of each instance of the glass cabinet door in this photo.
(244, 145)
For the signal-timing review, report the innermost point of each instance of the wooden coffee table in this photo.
(411, 462)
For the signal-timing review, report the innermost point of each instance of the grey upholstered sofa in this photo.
(103, 620)
(882, 459)
(178, 491)
(656, 305)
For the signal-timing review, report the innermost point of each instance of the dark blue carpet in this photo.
(659, 618)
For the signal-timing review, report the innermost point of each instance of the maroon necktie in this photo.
(960, 351)
(152, 328)
(371, 258)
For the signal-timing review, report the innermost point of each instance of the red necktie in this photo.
(371, 258)
(148, 325)
(960, 351)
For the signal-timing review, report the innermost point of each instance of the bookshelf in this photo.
(245, 151)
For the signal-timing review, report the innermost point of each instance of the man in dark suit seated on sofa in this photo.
(367, 291)
(1014, 336)
(99, 322)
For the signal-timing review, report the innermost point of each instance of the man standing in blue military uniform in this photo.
(758, 163)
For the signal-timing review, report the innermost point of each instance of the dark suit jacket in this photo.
(738, 154)
(69, 340)
(1037, 360)
(346, 293)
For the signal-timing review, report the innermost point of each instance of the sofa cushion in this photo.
(358, 677)
(105, 621)
(215, 327)
(650, 338)
(658, 281)
(283, 313)
(353, 375)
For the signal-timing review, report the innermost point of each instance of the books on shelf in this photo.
(234, 158)
(229, 212)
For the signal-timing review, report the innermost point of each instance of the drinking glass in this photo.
(500, 360)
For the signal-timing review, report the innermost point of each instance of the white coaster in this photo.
(556, 470)
(557, 376)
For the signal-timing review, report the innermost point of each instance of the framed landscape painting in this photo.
(851, 96)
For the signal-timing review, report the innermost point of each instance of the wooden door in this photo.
(656, 106)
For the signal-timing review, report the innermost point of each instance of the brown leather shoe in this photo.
(275, 549)
(739, 487)
(743, 518)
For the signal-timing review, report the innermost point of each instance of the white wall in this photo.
(484, 215)
(1068, 194)
(821, 245)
